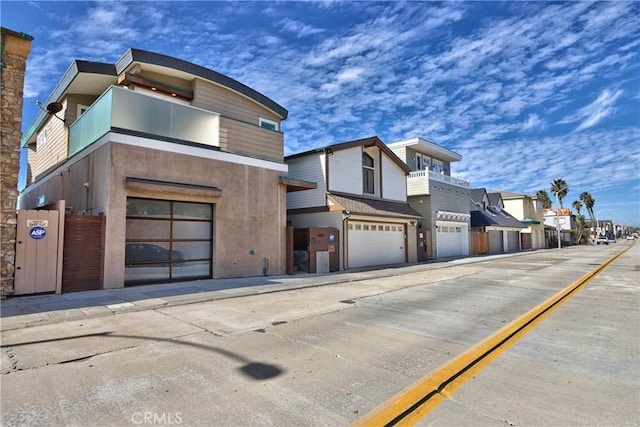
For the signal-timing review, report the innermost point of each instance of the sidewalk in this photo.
(26, 311)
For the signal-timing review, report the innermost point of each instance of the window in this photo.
(437, 165)
(42, 139)
(367, 174)
(418, 162)
(268, 124)
(81, 109)
(426, 162)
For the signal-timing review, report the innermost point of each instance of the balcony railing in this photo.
(418, 181)
(123, 109)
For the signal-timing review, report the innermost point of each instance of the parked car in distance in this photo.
(602, 240)
(146, 252)
(630, 237)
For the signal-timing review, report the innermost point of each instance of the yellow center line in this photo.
(416, 401)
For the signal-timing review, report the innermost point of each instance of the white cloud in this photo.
(595, 112)
(300, 29)
(532, 122)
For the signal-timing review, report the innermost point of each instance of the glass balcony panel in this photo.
(148, 116)
(192, 124)
(141, 113)
(94, 123)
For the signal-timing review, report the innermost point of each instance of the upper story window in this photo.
(426, 162)
(81, 109)
(42, 139)
(422, 162)
(268, 124)
(437, 165)
(367, 174)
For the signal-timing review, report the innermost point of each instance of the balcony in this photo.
(418, 181)
(123, 110)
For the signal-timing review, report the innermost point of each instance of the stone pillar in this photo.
(15, 50)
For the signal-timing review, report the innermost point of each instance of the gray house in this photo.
(441, 200)
(488, 215)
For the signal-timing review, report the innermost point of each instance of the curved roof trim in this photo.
(137, 55)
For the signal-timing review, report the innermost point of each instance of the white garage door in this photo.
(452, 239)
(375, 244)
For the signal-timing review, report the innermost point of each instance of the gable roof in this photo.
(490, 216)
(364, 142)
(495, 199)
(373, 207)
(477, 194)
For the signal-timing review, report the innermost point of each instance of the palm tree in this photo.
(577, 205)
(588, 201)
(560, 188)
(581, 226)
(543, 196)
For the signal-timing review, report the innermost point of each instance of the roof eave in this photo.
(76, 67)
(134, 55)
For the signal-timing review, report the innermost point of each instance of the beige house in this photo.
(185, 165)
(528, 210)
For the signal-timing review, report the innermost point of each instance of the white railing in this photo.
(418, 181)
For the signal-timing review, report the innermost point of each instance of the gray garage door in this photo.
(168, 241)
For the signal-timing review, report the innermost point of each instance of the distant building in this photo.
(567, 221)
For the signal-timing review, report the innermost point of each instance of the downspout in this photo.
(345, 239)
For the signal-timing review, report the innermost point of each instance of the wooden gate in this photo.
(83, 261)
(479, 242)
(37, 252)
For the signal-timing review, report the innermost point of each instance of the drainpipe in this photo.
(345, 219)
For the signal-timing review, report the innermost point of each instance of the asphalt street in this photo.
(327, 355)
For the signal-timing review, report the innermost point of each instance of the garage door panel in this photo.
(452, 239)
(384, 245)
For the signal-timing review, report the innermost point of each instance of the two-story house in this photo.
(528, 210)
(185, 164)
(561, 221)
(362, 192)
(488, 215)
(441, 200)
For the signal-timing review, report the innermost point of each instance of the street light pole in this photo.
(558, 219)
(558, 215)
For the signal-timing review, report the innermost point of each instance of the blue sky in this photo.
(526, 92)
